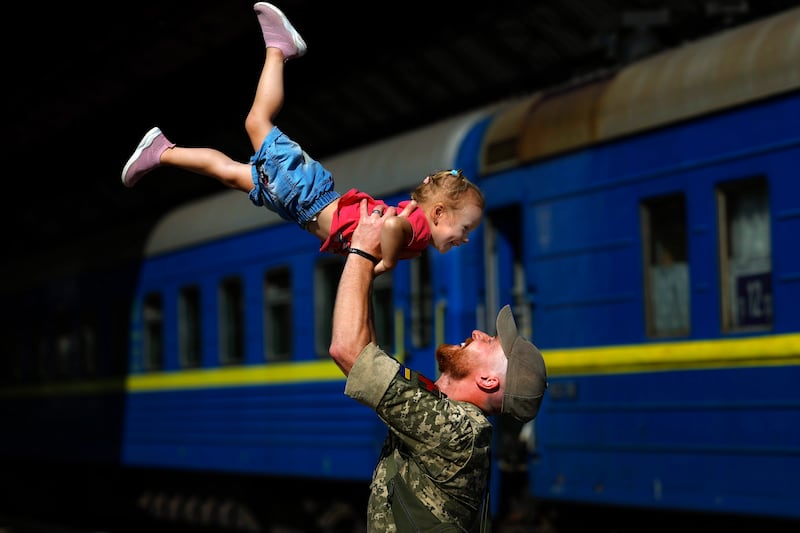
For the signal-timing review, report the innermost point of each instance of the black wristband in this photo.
(364, 254)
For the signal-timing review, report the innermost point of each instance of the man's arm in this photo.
(352, 320)
(353, 327)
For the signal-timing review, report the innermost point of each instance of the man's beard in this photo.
(453, 361)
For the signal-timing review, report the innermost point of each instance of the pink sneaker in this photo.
(278, 31)
(146, 157)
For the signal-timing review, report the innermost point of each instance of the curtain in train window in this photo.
(278, 329)
(87, 344)
(745, 255)
(231, 321)
(43, 349)
(189, 337)
(65, 349)
(666, 266)
(153, 319)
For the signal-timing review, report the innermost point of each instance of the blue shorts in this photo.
(288, 181)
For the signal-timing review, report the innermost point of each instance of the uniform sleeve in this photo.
(370, 376)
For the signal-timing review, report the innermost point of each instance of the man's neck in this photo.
(462, 390)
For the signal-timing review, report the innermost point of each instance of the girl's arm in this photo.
(395, 234)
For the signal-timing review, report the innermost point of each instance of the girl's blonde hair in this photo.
(450, 187)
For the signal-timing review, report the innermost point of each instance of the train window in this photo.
(383, 308)
(42, 371)
(666, 266)
(231, 320)
(21, 367)
(87, 344)
(120, 321)
(421, 301)
(745, 255)
(64, 349)
(326, 281)
(189, 338)
(327, 275)
(15, 369)
(153, 318)
(11, 365)
(278, 314)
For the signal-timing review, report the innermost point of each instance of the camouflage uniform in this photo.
(449, 441)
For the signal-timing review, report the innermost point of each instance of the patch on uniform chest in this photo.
(417, 379)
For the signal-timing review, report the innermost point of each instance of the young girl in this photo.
(284, 179)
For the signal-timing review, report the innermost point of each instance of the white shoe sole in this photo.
(146, 141)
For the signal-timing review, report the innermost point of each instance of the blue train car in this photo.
(642, 224)
(650, 220)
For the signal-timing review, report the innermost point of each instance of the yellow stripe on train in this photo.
(271, 374)
(772, 350)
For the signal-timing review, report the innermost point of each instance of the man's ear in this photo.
(488, 383)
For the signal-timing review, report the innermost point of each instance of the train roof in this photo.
(728, 69)
(381, 169)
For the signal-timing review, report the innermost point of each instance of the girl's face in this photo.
(452, 228)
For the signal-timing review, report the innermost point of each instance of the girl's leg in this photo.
(268, 99)
(212, 163)
(156, 150)
(282, 43)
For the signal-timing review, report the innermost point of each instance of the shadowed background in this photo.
(83, 84)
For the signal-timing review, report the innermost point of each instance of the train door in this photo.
(505, 280)
(506, 283)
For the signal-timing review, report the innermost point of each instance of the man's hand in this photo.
(367, 235)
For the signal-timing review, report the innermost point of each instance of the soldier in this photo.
(434, 466)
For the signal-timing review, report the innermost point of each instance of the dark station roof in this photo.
(85, 81)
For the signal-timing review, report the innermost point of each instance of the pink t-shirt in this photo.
(348, 213)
